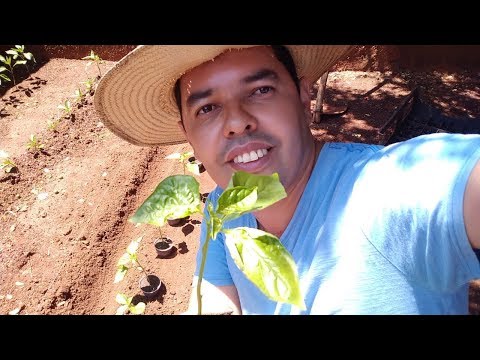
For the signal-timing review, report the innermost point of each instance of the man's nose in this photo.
(239, 121)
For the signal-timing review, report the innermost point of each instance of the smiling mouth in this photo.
(251, 156)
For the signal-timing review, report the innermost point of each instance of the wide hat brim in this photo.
(135, 98)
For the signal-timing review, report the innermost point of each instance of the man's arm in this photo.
(216, 300)
(471, 207)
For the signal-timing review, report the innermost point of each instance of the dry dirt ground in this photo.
(63, 214)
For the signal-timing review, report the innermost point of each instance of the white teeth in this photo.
(251, 156)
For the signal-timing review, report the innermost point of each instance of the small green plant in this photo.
(183, 158)
(258, 254)
(126, 305)
(53, 123)
(6, 163)
(128, 260)
(79, 96)
(89, 84)
(19, 56)
(94, 58)
(34, 144)
(66, 107)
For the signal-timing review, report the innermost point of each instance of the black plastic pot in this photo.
(173, 222)
(163, 246)
(150, 287)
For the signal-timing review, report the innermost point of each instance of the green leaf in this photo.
(270, 189)
(3, 68)
(137, 309)
(124, 260)
(122, 299)
(186, 155)
(19, 47)
(193, 168)
(5, 77)
(11, 52)
(265, 262)
(29, 56)
(236, 201)
(120, 274)
(20, 62)
(2, 59)
(174, 156)
(133, 246)
(121, 310)
(175, 197)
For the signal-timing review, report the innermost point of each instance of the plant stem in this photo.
(99, 71)
(144, 272)
(208, 236)
(202, 268)
(13, 75)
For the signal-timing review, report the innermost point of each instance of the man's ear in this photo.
(305, 87)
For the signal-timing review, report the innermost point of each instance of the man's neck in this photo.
(276, 217)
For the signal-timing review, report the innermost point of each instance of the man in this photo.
(372, 229)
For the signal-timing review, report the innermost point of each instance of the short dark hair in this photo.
(281, 53)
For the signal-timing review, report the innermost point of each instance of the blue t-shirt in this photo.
(378, 230)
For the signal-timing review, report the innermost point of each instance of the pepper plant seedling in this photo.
(6, 163)
(34, 144)
(19, 56)
(258, 254)
(183, 158)
(126, 261)
(94, 58)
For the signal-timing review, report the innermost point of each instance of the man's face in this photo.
(242, 111)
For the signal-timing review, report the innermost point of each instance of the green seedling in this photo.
(128, 260)
(53, 123)
(89, 83)
(18, 52)
(126, 305)
(183, 158)
(6, 163)
(34, 144)
(18, 57)
(79, 96)
(259, 255)
(66, 107)
(94, 58)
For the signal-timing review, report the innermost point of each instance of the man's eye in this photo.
(262, 90)
(205, 109)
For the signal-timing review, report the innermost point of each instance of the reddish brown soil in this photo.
(59, 250)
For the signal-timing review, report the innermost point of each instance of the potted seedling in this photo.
(259, 255)
(177, 196)
(163, 245)
(188, 164)
(149, 284)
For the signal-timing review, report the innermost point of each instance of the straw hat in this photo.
(135, 99)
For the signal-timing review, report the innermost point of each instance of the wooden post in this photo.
(317, 115)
